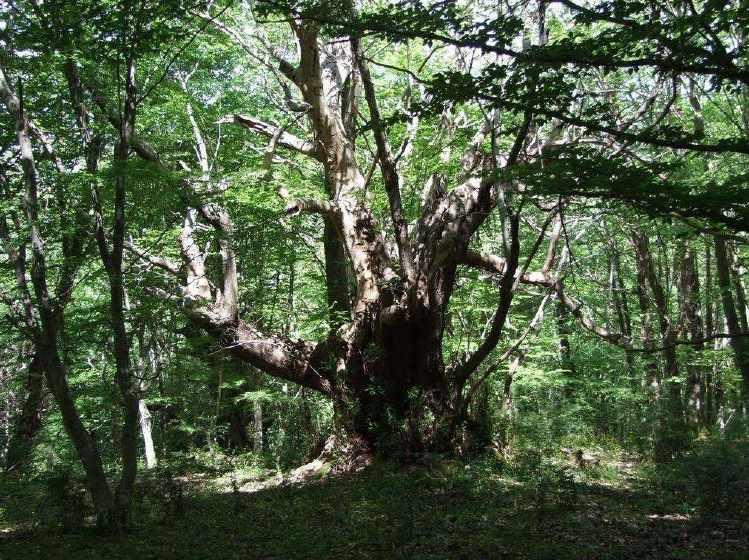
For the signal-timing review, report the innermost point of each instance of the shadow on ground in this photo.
(392, 513)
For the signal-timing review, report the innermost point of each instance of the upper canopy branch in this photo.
(314, 206)
(665, 60)
(495, 264)
(165, 264)
(646, 136)
(141, 147)
(214, 307)
(285, 139)
(509, 266)
(387, 165)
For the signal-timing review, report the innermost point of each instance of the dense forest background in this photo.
(248, 236)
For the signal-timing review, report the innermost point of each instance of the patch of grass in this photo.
(20, 501)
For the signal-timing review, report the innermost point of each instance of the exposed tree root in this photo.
(338, 455)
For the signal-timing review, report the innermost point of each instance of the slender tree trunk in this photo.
(668, 336)
(238, 437)
(111, 258)
(290, 296)
(213, 436)
(29, 421)
(517, 360)
(719, 392)
(709, 417)
(738, 342)
(123, 373)
(689, 290)
(652, 373)
(257, 438)
(670, 433)
(621, 304)
(565, 350)
(96, 480)
(47, 336)
(738, 288)
(148, 365)
(144, 416)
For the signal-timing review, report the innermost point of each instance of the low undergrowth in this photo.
(528, 505)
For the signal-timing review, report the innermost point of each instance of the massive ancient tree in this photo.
(549, 123)
(384, 366)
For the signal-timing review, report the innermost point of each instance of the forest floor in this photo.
(532, 508)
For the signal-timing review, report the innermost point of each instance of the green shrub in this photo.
(718, 473)
(63, 506)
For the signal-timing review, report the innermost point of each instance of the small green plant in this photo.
(63, 506)
(525, 464)
(170, 493)
(567, 489)
(549, 482)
